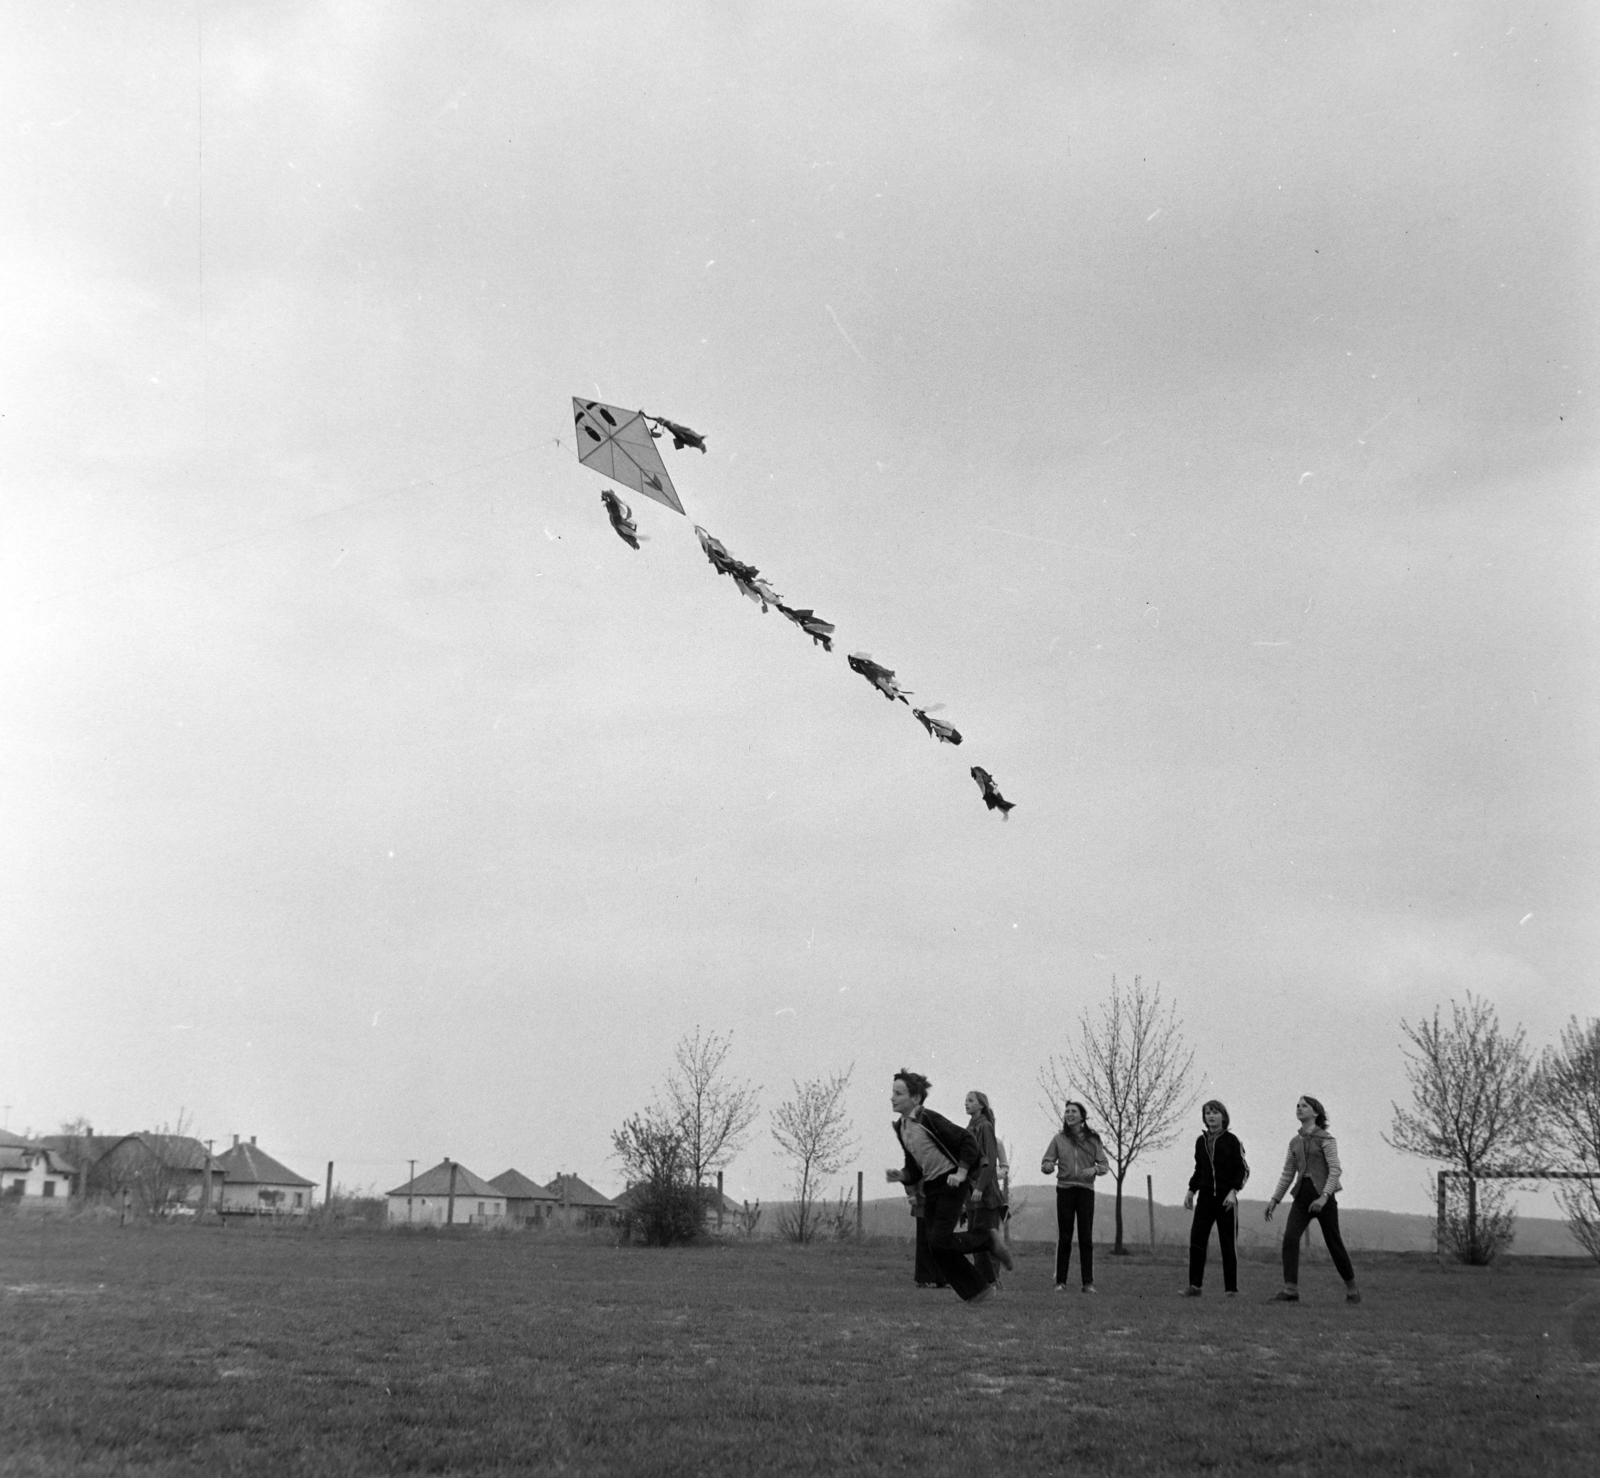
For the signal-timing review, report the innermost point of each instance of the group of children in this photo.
(951, 1172)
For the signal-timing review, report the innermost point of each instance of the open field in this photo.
(184, 1349)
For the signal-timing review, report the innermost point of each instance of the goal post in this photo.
(1530, 1174)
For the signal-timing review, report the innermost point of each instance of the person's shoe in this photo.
(1353, 1296)
(983, 1295)
(1283, 1296)
(1233, 1293)
(1191, 1292)
(999, 1251)
(1061, 1287)
(1090, 1288)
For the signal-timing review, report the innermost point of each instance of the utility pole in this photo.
(450, 1210)
(719, 1200)
(327, 1195)
(411, 1181)
(860, 1182)
(1150, 1199)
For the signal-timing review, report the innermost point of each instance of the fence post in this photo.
(1438, 1226)
(859, 1223)
(124, 1220)
(450, 1210)
(327, 1195)
(719, 1200)
(1150, 1198)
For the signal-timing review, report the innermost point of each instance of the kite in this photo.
(820, 631)
(621, 517)
(682, 436)
(991, 797)
(879, 676)
(618, 445)
(943, 732)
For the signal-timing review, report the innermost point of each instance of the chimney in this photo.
(252, 1139)
(236, 1141)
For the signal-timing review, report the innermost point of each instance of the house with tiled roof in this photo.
(447, 1195)
(79, 1151)
(526, 1200)
(165, 1173)
(254, 1184)
(579, 1203)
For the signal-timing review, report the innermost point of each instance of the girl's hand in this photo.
(892, 1175)
(1270, 1205)
(1231, 1199)
(1318, 1204)
(1188, 1202)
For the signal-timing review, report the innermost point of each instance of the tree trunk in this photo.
(1118, 1250)
(1472, 1217)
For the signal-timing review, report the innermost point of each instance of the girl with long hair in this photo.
(1076, 1156)
(1313, 1165)
(1219, 1175)
(986, 1210)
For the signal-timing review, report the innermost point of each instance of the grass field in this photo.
(186, 1349)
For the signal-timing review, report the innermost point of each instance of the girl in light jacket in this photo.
(987, 1208)
(1313, 1164)
(1076, 1156)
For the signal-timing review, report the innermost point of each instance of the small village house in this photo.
(527, 1202)
(165, 1173)
(31, 1173)
(447, 1195)
(254, 1184)
(579, 1204)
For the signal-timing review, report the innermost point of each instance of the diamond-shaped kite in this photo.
(618, 445)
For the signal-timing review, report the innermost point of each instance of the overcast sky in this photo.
(1196, 400)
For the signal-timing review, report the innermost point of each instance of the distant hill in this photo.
(1033, 1219)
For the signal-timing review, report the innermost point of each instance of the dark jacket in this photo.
(955, 1140)
(1227, 1172)
(986, 1182)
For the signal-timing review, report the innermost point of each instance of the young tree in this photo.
(1132, 1068)
(1569, 1090)
(1473, 1106)
(813, 1130)
(713, 1111)
(667, 1204)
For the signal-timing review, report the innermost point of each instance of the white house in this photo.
(447, 1195)
(32, 1173)
(255, 1184)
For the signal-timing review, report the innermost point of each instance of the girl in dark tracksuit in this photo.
(1313, 1165)
(1219, 1175)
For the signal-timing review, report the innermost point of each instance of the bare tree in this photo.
(1569, 1090)
(1132, 1068)
(813, 1130)
(713, 1111)
(1473, 1106)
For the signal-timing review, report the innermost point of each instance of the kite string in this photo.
(282, 528)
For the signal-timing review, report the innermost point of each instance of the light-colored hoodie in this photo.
(1075, 1162)
(1316, 1157)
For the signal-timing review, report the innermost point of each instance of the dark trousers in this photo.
(1074, 1202)
(927, 1274)
(1300, 1217)
(984, 1219)
(1209, 1211)
(944, 1204)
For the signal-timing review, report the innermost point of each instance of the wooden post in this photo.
(719, 1200)
(409, 1192)
(1438, 1226)
(124, 1220)
(327, 1195)
(450, 1209)
(205, 1189)
(1150, 1198)
(860, 1224)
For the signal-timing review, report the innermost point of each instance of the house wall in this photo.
(265, 1200)
(431, 1210)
